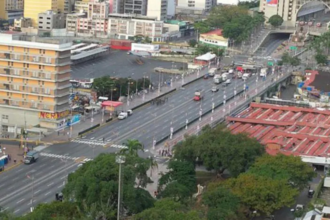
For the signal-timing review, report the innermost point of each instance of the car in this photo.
(214, 89)
(228, 81)
(206, 76)
(123, 115)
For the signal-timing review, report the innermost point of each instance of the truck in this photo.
(198, 96)
(263, 72)
(31, 156)
(217, 79)
(212, 71)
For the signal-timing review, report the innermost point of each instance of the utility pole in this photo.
(120, 159)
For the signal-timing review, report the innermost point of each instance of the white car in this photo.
(124, 115)
(214, 89)
(228, 81)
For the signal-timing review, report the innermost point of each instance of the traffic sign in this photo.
(293, 48)
(270, 64)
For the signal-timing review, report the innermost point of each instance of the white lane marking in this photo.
(60, 186)
(47, 193)
(63, 177)
(50, 184)
(92, 138)
(17, 210)
(37, 191)
(18, 170)
(52, 166)
(20, 201)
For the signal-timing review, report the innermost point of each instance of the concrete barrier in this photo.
(88, 129)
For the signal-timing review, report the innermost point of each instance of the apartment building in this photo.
(158, 9)
(22, 23)
(65, 6)
(11, 9)
(98, 10)
(72, 20)
(34, 82)
(116, 6)
(80, 6)
(135, 7)
(198, 4)
(124, 26)
(51, 20)
(32, 8)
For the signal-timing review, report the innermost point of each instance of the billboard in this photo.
(272, 2)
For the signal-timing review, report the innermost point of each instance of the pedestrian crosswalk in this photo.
(92, 142)
(64, 157)
(118, 146)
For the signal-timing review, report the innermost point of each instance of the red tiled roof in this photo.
(298, 131)
(217, 32)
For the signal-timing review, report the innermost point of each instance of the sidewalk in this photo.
(64, 135)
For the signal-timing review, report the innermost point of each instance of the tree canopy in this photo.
(167, 209)
(221, 203)
(280, 167)
(275, 20)
(262, 194)
(116, 87)
(235, 22)
(218, 149)
(96, 185)
(291, 60)
(179, 183)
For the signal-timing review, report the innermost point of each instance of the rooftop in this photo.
(322, 81)
(214, 32)
(132, 16)
(180, 23)
(286, 129)
(11, 38)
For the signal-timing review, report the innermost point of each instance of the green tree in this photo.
(103, 85)
(179, 182)
(286, 58)
(202, 27)
(281, 167)
(167, 209)
(54, 211)
(262, 194)
(217, 149)
(6, 215)
(95, 185)
(249, 4)
(133, 147)
(202, 49)
(221, 203)
(221, 15)
(321, 58)
(192, 42)
(275, 20)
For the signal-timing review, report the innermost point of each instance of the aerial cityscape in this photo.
(164, 110)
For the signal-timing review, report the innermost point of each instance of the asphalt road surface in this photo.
(120, 64)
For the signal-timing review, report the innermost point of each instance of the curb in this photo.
(11, 167)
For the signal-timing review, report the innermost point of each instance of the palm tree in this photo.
(133, 146)
(152, 164)
(6, 215)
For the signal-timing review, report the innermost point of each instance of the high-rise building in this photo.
(135, 7)
(158, 9)
(198, 4)
(116, 6)
(65, 6)
(11, 9)
(98, 10)
(32, 8)
(50, 20)
(34, 82)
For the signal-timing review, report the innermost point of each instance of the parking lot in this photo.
(120, 64)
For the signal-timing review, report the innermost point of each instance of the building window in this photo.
(36, 59)
(48, 60)
(5, 117)
(35, 74)
(47, 75)
(34, 105)
(35, 89)
(46, 106)
(16, 87)
(47, 91)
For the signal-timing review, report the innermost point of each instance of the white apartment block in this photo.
(98, 10)
(72, 20)
(124, 26)
(198, 4)
(138, 7)
(158, 9)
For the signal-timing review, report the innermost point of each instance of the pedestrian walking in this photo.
(160, 152)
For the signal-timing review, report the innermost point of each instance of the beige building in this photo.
(11, 9)
(158, 9)
(51, 20)
(125, 26)
(289, 10)
(198, 4)
(22, 23)
(80, 6)
(34, 82)
(72, 21)
(32, 8)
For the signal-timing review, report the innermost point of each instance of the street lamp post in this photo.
(128, 92)
(120, 159)
(32, 188)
